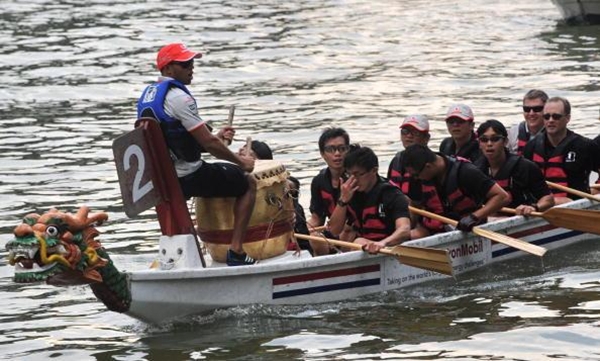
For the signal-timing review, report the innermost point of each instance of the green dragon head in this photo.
(57, 247)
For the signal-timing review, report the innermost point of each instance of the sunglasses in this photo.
(407, 131)
(493, 139)
(535, 109)
(455, 121)
(185, 64)
(554, 116)
(335, 148)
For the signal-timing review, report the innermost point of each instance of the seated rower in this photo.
(452, 187)
(519, 177)
(373, 210)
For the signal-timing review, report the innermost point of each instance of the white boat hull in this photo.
(579, 11)
(159, 295)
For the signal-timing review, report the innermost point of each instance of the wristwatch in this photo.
(341, 203)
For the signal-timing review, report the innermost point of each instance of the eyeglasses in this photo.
(493, 139)
(535, 109)
(335, 148)
(185, 64)
(554, 116)
(455, 121)
(414, 132)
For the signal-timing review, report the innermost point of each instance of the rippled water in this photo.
(71, 72)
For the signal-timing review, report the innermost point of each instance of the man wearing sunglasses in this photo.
(414, 130)
(519, 177)
(170, 102)
(325, 186)
(564, 156)
(373, 212)
(462, 141)
(452, 187)
(533, 112)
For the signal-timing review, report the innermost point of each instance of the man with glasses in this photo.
(452, 187)
(519, 177)
(564, 156)
(372, 211)
(187, 135)
(325, 186)
(414, 130)
(521, 133)
(462, 141)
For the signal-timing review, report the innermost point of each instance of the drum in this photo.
(269, 230)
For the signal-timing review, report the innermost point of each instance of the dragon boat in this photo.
(62, 249)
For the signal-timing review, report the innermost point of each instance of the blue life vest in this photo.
(179, 140)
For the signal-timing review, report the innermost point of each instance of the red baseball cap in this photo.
(174, 52)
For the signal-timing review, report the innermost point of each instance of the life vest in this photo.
(469, 151)
(553, 164)
(370, 219)
(523, 137)
(505, 179)
(454, 203)
(328, 194)
(400, 178)
(151, 104)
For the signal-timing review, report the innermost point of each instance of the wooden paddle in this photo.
(494, 236)
(431, 259)
(572, 191)
(577, 219)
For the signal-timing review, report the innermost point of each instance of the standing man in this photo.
(533, 112)
(187, 135)
(463, 140)
(564, 156)
(373, 209)
(414, 130)
(325, 186)
(452, 187)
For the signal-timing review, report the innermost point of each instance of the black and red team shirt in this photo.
(323, 196)
(469, 151)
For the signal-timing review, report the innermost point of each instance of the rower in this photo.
(533, 112)
(452, 187)
(565, 157)
(325, 186)
(519, 177)
(370, 210)
(462, 141)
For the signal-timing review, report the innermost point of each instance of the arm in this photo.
(338, 218)
(496, 199)
(215, 146)
(400, 234)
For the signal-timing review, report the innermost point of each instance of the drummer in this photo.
(170, 102)
(371, 210)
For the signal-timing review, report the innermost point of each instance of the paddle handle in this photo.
(572, 191)
(437, 217)
(229, 122)
(248, 146)
(335, 242)
(514, 211)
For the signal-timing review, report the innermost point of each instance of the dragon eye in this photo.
(52, 231)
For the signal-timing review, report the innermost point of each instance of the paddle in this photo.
(494, 236)
(572, 191)
(577, 219)
(431, 259)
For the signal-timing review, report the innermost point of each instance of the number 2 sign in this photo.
(135, 171)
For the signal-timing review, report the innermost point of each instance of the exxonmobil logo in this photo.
(467, 249)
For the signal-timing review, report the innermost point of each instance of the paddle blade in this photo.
(578, 219)
(431, 259)
(510, 241)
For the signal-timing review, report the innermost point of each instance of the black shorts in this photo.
(215, 180)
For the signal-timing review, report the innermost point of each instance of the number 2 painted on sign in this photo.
(137, 192)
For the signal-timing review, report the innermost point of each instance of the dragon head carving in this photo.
(56, 247)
